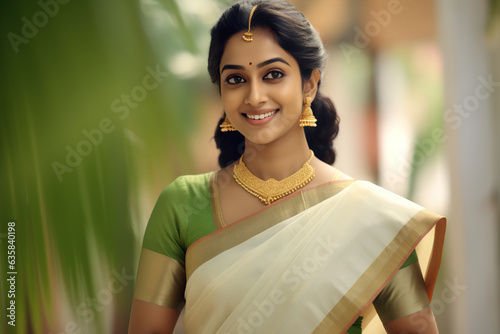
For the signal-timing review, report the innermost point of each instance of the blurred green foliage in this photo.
(94, 123)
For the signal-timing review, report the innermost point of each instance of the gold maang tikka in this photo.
(248, 35)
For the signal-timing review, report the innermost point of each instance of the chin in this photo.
(262, 136)
(271, 132)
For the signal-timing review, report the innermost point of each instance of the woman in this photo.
(246, 253)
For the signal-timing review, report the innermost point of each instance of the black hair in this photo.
(295, 35)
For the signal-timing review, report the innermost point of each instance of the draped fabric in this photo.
(310, 263)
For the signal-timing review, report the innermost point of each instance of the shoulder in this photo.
(326, 173)
(187, 185)
(389, 208)
(178, 199)
(362, 190)
(379, 194)
(166, 229)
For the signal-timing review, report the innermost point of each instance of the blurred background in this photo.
(103, 103)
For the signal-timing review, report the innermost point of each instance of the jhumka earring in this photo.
(307, 118)
(227, 126)
(248, 35)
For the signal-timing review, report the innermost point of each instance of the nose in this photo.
(256, 94)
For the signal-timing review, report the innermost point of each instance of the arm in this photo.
(148, 318)
(421, 322)
(403, 304)
(161, 276)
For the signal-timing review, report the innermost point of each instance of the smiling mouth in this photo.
(262, 116)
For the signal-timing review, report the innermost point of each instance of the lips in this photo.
(260, 116)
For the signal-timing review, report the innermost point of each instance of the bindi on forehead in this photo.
(250, 63)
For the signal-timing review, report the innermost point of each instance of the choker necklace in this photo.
(272, 190)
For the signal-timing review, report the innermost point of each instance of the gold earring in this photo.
(307, 118)
(227, 126)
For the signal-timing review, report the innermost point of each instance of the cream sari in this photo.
(310, 263)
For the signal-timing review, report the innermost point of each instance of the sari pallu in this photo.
(307, 264)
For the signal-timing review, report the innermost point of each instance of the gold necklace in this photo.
(272, 190)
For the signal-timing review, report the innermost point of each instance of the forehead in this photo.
(263, 47)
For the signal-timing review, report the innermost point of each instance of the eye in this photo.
(234, 80)
(273, 75)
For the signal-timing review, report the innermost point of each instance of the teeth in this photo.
(262, 116)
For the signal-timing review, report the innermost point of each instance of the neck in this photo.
(276, 160)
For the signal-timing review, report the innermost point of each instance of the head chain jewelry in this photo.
(248, 35)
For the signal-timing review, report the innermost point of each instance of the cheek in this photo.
(228, 101)
(291, 96)
(293, 89)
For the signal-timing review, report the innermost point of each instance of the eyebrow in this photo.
(264, 63)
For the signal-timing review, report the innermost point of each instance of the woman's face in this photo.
(261, 88)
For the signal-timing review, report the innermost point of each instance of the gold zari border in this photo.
(161, 280)
(383, 268)
(403, 295)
